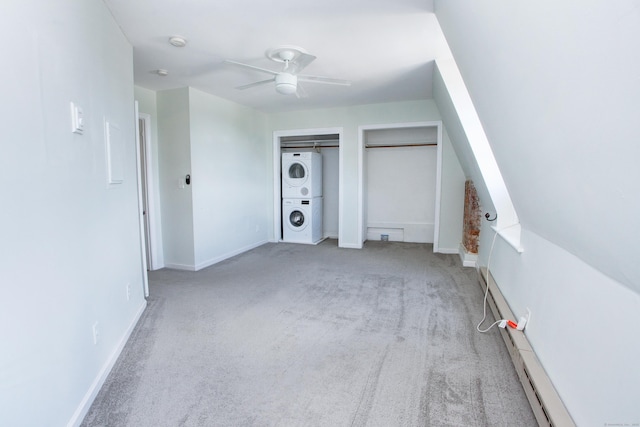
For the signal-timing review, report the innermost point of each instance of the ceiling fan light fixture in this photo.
(286, 84)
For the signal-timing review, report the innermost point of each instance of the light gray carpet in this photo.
(299, 335)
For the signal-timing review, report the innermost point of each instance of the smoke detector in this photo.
(178, 41)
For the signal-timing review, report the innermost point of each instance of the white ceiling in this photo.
(385, 48)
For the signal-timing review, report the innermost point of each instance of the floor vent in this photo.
(543, 398)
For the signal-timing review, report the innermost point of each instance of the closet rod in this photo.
(428, 144)
(309, 141)
(287, 147)
(298, 147)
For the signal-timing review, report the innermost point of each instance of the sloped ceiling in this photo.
(556, 87)
(385, 48)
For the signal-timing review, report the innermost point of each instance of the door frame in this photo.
(277, 170)
(143, 246)
(362, 223)
(156, 258)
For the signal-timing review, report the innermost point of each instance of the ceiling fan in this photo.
(295, 59)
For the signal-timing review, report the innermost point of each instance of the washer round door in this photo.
(297, 220)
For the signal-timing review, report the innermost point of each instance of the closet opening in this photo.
(326, 144)
(400, 182)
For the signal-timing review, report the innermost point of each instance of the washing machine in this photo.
(301, 175)
(302, 220)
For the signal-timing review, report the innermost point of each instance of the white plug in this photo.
(522, 323)
(502, 324)
(524, 320)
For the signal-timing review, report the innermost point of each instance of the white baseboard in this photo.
(448, 251)
(349, 245)
(98, 382)
(468, 259)
(208, 263)
(186, 267)
(415, 232)
(229, 255)
(545, 402)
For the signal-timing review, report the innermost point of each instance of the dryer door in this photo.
(296, 174)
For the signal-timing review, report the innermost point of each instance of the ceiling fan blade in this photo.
(302, 61)
(325, 80)
(261, 82)
(300, 92)
(251, 67)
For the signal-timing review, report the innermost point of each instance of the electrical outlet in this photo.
(77, 119)
(96, 333)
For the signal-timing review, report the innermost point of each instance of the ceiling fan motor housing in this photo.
(286, 84)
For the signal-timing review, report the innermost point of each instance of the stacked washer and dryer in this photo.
(302, 197)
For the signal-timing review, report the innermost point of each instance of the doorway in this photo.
(400, 182)
(328, 142)
(149, 195)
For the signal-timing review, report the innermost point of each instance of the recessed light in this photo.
(178, 41)
(162, 73)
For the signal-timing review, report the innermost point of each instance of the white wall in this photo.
(69, 243)
(229, 178)
(401, 193)
(582, 326)
(330, 192)
(451, 198)
(561, 123)
(174, 155)
(350, 118)
(555, 86)
(222, 146)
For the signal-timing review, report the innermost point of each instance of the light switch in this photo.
(77, 120)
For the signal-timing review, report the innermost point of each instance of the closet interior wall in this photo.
(400, 184)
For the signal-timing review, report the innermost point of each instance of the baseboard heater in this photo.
(547, 406)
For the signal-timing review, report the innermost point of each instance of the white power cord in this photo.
(501, 322)
(486, 293)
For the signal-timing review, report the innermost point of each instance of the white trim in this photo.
(436, 229)
(481, 149)
(511, 235)
(184, 267)
(277, 197)
(153, 207)
(341, 228)
(98, 382)
(233, 253)
(143, 245)
(468, 259)
(212, 261)
(351, 246)
(449, 251)
(361, 141)
(277, 190)
(362, 223)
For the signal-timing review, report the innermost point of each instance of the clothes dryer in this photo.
(302, 220)
(301, 175)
